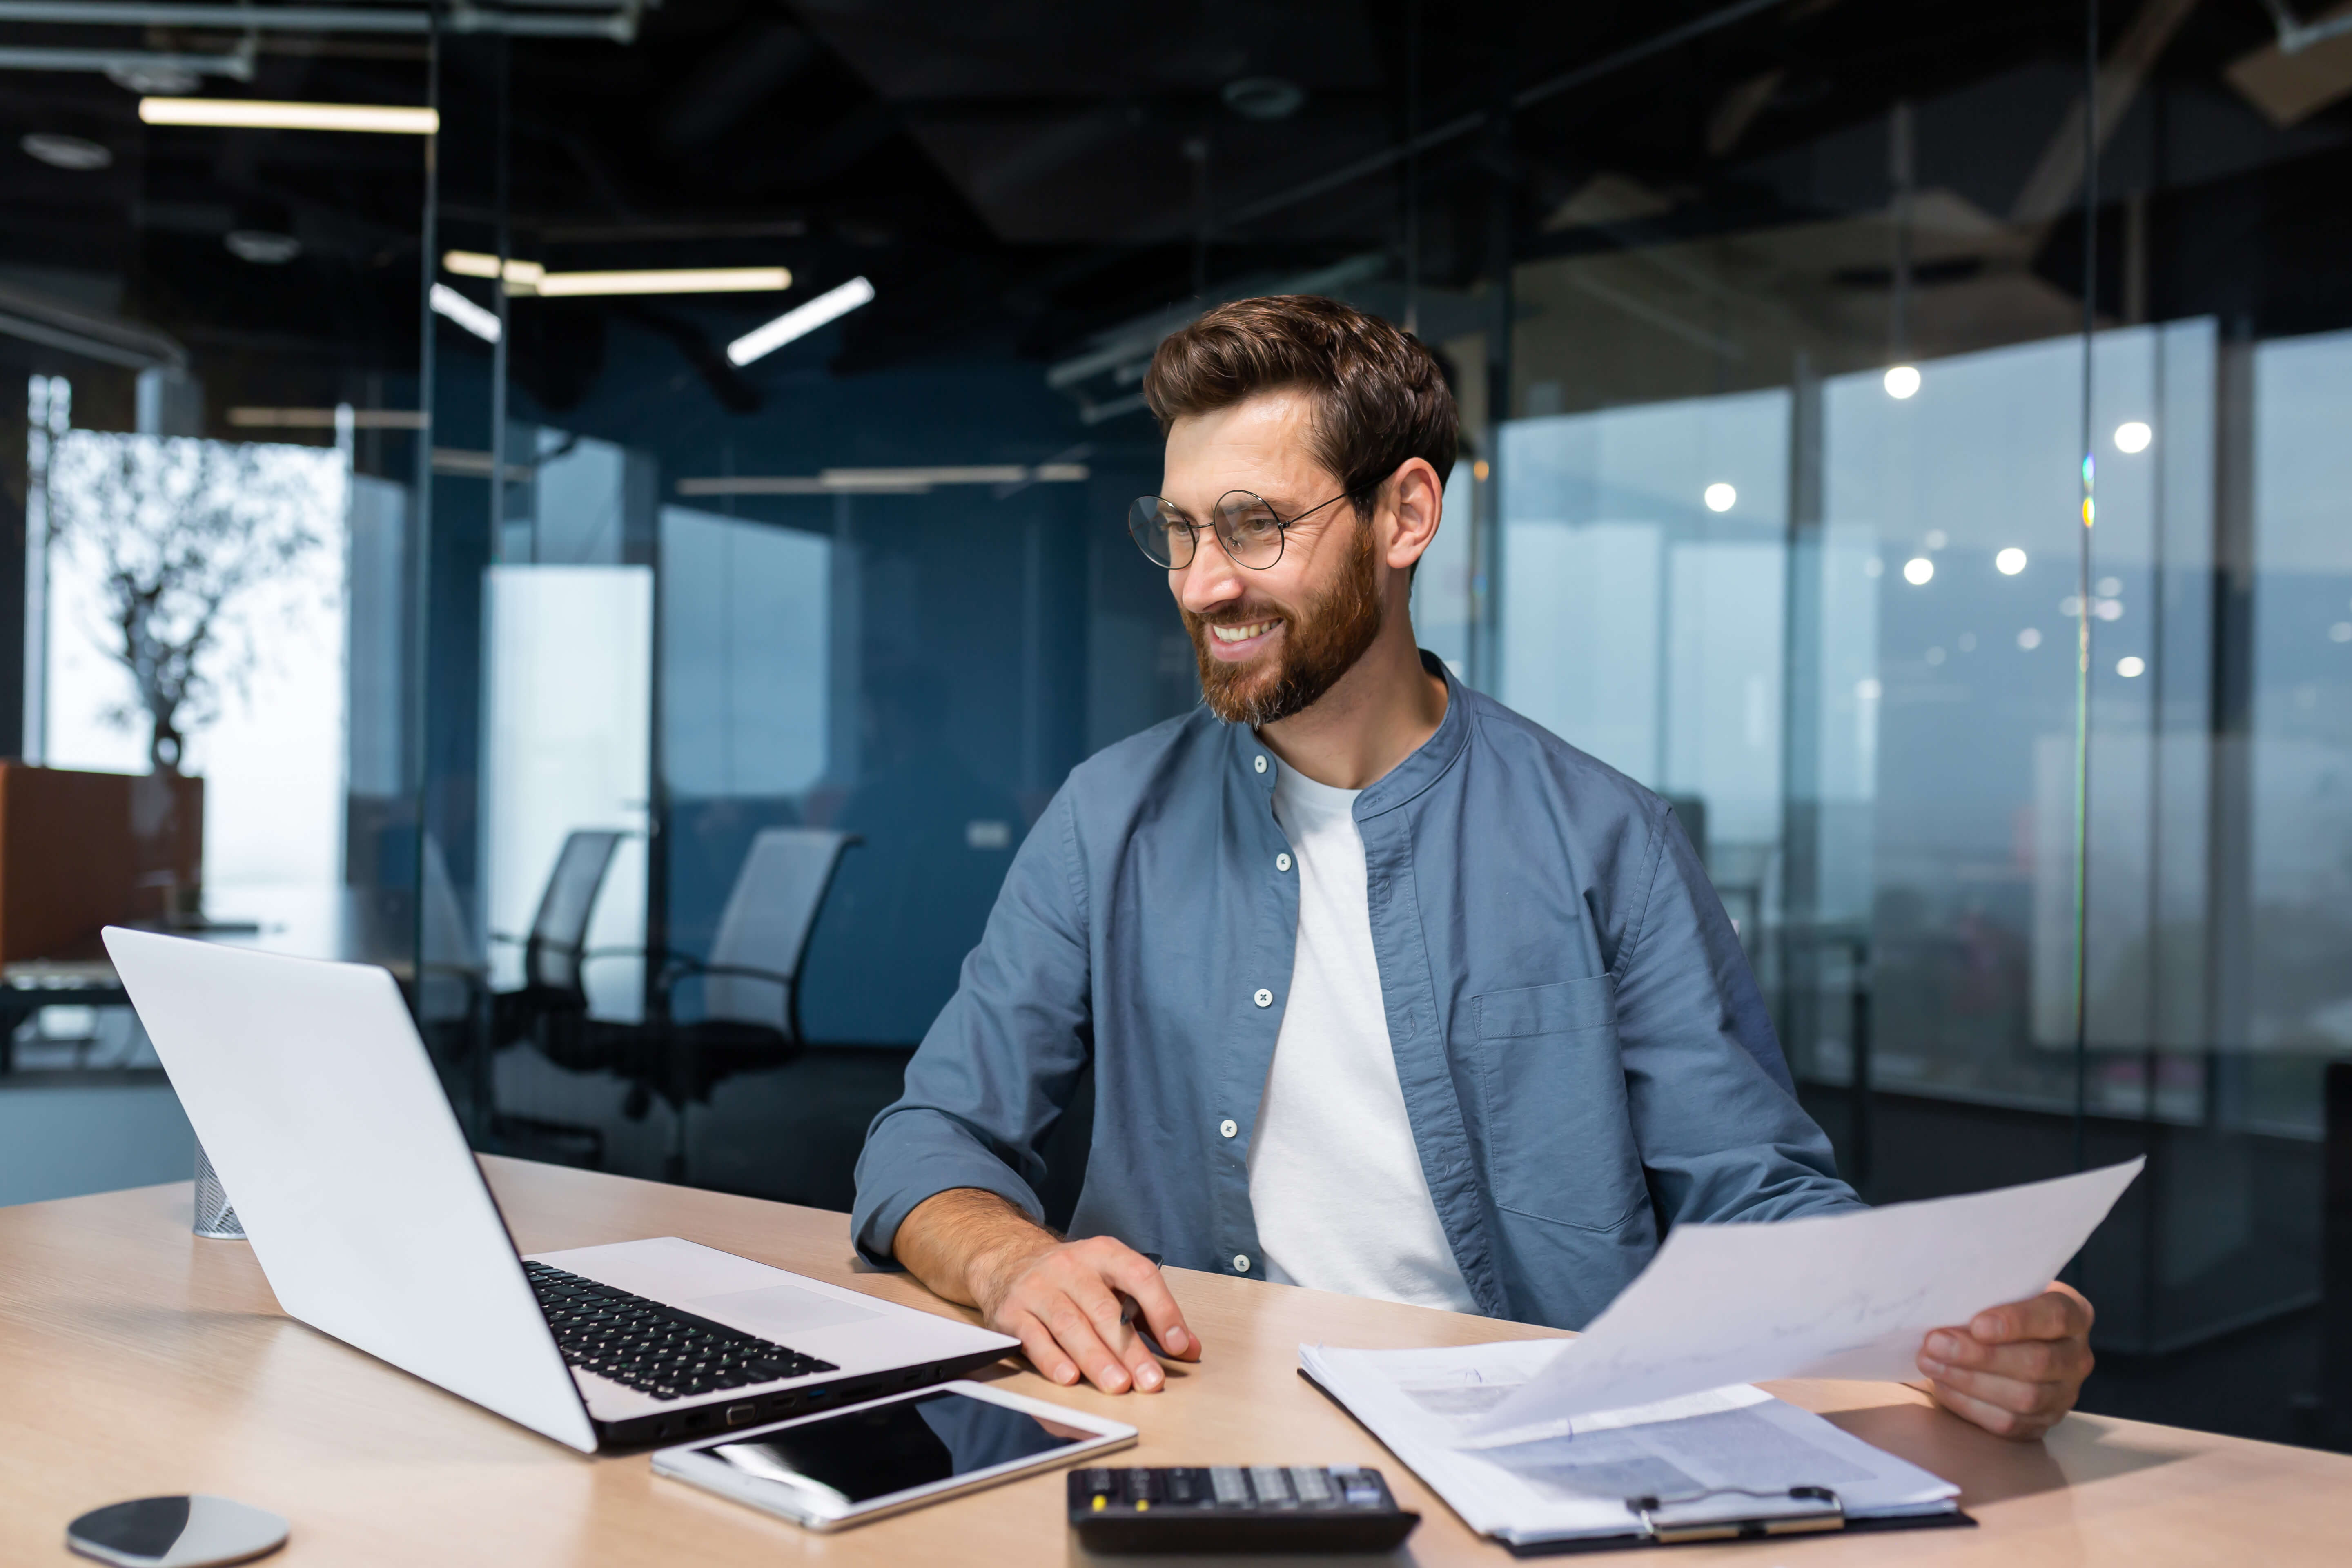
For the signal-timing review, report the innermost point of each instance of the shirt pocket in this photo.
(1560, 1139)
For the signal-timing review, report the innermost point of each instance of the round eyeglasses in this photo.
(1251, 531)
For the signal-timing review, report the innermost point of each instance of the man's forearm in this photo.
(965, 1242)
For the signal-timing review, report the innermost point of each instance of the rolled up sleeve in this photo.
(998, 1066)
(1714, 1111)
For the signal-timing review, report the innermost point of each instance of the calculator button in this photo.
(1310, 1483)
(1273, 1489)
(1226, 1481)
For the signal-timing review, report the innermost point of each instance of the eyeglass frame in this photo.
(1192, 530)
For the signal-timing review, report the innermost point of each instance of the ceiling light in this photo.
(522, 277)
(59, 151)
(158, 75)
(2009, 561)
(1721, 497)
(1902, 381)
(1918, 570)
(262, 247)
(2133, 435)
(800, 321)
(447, 302)
(2030, 639)
(261, 114)
(665, 280)
(2131, 667)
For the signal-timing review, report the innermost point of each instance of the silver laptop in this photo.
(314, 1097)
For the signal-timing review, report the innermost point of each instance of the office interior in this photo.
(677, 500)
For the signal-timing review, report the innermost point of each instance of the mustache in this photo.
(1247, 616)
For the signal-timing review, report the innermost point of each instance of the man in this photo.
(1386, 990)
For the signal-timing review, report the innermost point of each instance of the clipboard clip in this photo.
(1735, 1513)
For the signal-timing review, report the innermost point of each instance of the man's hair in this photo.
(1379, 395)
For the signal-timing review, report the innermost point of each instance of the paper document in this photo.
(1574, 1484)
(1844, 1295)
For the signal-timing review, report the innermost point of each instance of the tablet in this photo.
(862, 1461)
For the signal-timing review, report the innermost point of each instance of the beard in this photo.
(1318, 646)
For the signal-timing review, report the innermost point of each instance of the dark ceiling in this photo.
(1016, 175)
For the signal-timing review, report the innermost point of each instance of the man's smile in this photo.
(1241, 642)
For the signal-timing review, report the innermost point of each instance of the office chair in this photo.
(550, 1010)
(751, 985)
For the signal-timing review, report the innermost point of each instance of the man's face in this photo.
(1271, 641)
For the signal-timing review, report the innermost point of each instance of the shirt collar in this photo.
(1424, 765)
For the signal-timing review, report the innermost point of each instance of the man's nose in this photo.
(1211, 580)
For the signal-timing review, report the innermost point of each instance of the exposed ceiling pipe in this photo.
(38, 318)
(127, 62)
(586, 20)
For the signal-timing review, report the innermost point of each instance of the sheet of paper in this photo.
(1420, 1402)
(1845, 1295)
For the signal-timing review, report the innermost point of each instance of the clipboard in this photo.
(1737, 1513)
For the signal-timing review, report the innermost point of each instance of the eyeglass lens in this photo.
(1246, 526)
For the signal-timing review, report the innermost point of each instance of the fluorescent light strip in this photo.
(447, 302)
(475, 264)
(530, 278)
(262, 114)
(665, 280)
(800, 321)
(882, 481)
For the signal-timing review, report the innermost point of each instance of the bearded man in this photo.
(1386, 990)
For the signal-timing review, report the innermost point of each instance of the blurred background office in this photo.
(612, 508)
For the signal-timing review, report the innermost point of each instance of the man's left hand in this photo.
(2014, 1370)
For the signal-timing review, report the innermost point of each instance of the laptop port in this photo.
(739, 1414)
(699, 1419)
(783, 1402)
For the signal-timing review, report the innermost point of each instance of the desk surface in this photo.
(135, 1359)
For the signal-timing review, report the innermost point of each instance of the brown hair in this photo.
(1379, 396)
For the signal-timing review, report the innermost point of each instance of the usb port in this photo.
(739, 1414)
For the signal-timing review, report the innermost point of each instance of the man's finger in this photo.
(1135, 1274)
(1993, 1419)
(2015, 1396)
(1109, 1319)
(2057, 1313)
(1077, 1336)
(1044, 1353)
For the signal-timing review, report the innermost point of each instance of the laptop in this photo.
(313, 1096)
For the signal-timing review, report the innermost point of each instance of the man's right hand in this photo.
(1062, 1300)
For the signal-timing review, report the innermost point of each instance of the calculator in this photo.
(1236, 1508)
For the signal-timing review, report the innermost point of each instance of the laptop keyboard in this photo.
(655, 1349)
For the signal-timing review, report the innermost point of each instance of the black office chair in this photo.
(550, 1010)
(751, 985)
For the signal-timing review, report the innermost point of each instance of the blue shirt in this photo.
(1585, 1056)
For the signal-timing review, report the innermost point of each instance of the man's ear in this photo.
(1416, 498)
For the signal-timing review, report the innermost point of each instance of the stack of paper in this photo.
(1423, 1403)
(1539, 1441)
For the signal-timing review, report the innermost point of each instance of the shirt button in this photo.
(1282, 862)
(1240, 1262)
(1228, 1127)
(1263, 998)
(1261, 764)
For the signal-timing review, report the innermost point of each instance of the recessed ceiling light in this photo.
(263, 114)
(262, 247)
(663, 280)
(1902, 381)
(1264, 97)
(59, 151)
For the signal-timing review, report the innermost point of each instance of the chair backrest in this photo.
(766, 924)
(550, 954)
(447, 952)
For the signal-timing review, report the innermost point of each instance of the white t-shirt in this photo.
(1335, 1179)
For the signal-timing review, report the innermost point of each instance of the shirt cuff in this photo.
(916, 1178)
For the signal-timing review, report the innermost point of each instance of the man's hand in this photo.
(2014, 1370)
(1065, 1301)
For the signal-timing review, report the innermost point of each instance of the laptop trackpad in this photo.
(778, 1312)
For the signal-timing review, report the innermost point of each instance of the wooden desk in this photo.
(135, 1359)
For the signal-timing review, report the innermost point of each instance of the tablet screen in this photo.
(861, 1455)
